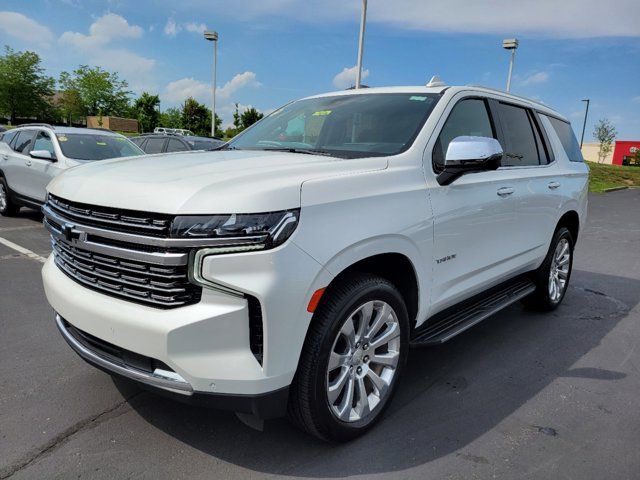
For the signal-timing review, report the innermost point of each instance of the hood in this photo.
(202, 182)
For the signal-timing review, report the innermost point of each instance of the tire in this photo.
(7, 207)
(553, 270)
(318, 401)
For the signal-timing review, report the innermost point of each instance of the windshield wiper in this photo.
(225, 146)
(306, 151)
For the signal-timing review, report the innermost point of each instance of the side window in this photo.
(22, 141)
(176, 146)
(43, 142)
(567, 138)
(469, 117)
(521, 138)
(8, 136)
(154, 145)
(138, 140)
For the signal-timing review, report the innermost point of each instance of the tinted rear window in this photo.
(154, 145)
(521, 147)
(567, 138)
(8, 136)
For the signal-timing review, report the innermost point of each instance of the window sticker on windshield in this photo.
(321, 113)
(418, 98)
(101, 143)
(62, 138)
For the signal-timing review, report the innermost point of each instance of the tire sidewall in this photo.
(544, 272)
(376, 289)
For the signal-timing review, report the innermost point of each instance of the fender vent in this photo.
(256, 340)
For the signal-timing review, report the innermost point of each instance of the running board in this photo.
(455, 320)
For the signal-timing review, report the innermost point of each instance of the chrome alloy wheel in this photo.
(3, 198)
(363, 361)
(559, 271)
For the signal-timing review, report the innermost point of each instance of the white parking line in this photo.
(24, 251)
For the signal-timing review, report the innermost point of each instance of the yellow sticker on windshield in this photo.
(62, 138)
(321, 113)
(101, 143)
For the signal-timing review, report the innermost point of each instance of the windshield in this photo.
(347, 126)
(89, 146)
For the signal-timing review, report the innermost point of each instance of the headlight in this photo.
(252, 231)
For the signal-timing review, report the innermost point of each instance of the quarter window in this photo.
(469, 117)
(567, 138)
(521, 138)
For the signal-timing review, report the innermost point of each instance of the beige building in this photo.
(113, 123)
(590, 153)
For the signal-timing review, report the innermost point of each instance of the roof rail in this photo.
(37, 125)
(504, 92)
(100, 128)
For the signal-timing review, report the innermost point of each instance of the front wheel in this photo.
(552, 278)
(352, 358)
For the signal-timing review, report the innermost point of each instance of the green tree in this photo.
(100, 92)
(197, 118)
(25, 91)
(605, 133)
(249, 117)
(171, 118)
(146, 109)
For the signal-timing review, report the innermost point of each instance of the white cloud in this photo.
(241, 80)
(565, 19)
(179, 90)
(171, 28)
(24, 28)
(97, 49)
(194, 27)
(535, 78)
(347, 77)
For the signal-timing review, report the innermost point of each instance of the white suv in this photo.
(31, 155)
(290, 271)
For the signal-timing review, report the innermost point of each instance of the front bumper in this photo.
(168, 383)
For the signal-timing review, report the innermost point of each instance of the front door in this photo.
(473, 216)
(42, 170)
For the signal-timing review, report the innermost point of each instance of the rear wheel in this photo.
(7, 207)
(552, 278)
(353, 355)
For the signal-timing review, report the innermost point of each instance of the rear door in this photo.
(537, 182)
(42, 171)
(473, 216)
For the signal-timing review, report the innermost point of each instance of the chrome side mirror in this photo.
(470, 154)
(43, 155)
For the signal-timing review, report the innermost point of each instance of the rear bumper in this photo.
(170, 384)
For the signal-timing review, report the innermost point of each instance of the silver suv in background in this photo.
(31, 155)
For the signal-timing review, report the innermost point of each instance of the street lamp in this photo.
(510, 44)
(584, 124)
(363, 21)
(212, 36)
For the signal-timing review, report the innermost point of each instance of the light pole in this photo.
(363, 21)
(584, 124)
(510, 44)
(212, 36)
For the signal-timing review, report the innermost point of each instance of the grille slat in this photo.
(128, 221)
(158, 287)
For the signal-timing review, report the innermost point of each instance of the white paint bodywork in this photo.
(350, 210)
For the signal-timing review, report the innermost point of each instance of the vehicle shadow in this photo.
(449, 395)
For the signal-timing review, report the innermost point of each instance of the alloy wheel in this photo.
(559, 271)
(3, 198)
(363, 361)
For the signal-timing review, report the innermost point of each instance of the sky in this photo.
(273, 51)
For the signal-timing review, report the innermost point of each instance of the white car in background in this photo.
(290, 271)
(31, 155)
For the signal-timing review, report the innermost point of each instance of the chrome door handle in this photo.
(28, 163)
(553, 185)
(5, 156)
(505, 191)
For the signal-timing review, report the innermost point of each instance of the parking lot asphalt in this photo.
(522, 395)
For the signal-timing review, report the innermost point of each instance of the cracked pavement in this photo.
(521, 395)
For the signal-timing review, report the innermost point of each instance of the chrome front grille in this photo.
(154, 285)
(137, 266)
(129, 221)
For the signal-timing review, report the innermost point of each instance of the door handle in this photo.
(28, 163)
(553, 185)
(5, 156)
(505, 191)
